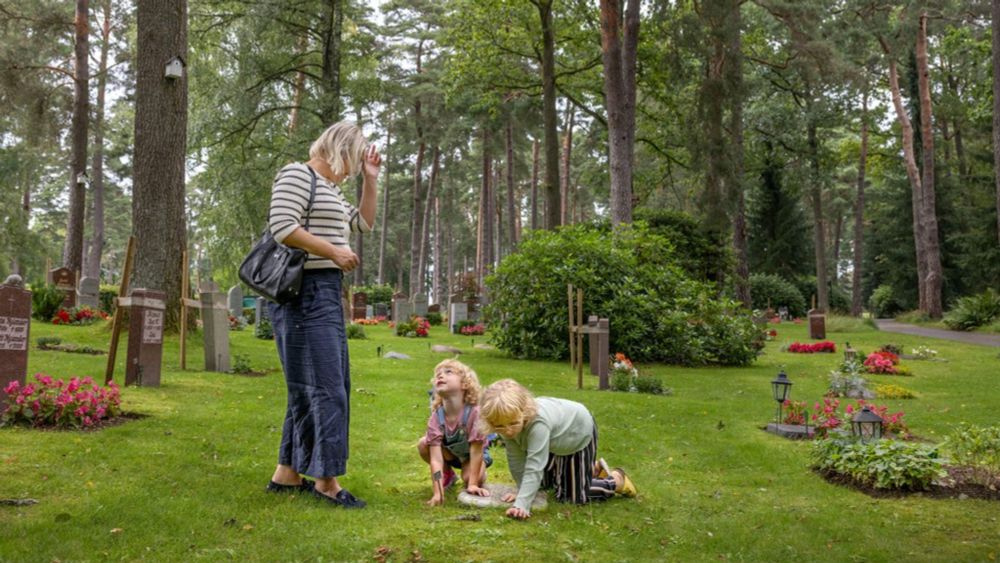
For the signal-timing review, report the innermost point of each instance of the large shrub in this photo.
(46, 301)
(883, 302)
(770, 290)
(884, 464)
(695, 250)
(631, 277)
(974, 311)
(376, 293)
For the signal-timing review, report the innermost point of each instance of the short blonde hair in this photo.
(342, 146)
(470, 382)
(506, 400)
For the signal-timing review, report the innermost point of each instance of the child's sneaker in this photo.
(624, 485)
(449, 477)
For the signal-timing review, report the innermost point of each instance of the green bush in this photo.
(649, 384)
(840, 301)
(46, 342)
(263, 330)
(883, 302)
(774, 291)
(883, 464)
(45, 302)
(356, 332)
(977, 447)
(696, 252)
(241, 364)
(657, 312)
(107, 295)
(250, 314)
(376, 293)
(974, 311)
(621, 381)
(435, 319)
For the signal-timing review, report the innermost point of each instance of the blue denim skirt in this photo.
(312, 344)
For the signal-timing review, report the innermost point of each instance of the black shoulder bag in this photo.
(272, 269)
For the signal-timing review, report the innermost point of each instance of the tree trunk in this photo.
(713, 97)
(438, 264)
(426, 221)
(996, 107)
(551, 183)
(484, 228)
(932, 247)
(619, 60)
(385, 204)
(93, 262)
(819, 227)
(534, 183)
(299, 87)
(511, 233)
(859, 213)
(497, 206)
(158, 216)
(416, 230)
(912, 172)
(332, 32)
(734, 71)
(73, 250)
(564, 178)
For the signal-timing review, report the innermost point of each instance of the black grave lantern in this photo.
(867, 425)
(850, 354)
(780, 389)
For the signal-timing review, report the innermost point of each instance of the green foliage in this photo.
(45, 302)
(770, 290)
(695, 250)
(621, 381)
(46, 342)
(883, 302)
(263, 329)
(356, 332)
(376, 293)
(892, 391)
(779, 235)
(978, 447)
(631, 277)
(974, 311)
(107, 295)
(435, 319)
(650, 384)
(241, 364)
(883, 464)
(250, 315)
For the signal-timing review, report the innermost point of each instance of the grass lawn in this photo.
(187, 481)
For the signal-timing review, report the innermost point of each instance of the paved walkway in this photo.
(983, 339)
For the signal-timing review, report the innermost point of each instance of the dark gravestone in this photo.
(435, 308)
(65, 281)
(381, 310)
(15, 328)
(817, 324)
(360, 305)
(145, 336)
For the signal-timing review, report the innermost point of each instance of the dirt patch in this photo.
(960, 483)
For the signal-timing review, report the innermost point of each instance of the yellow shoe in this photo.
(624, 486)
(601, 470)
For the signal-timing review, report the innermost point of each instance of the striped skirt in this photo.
(571, 476)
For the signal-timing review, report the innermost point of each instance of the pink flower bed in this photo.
(820, 347)
(54, 402)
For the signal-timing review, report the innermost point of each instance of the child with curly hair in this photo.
(453, 440)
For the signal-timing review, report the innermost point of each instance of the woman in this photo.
(309, 330)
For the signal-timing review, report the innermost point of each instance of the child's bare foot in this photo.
(518, 513)
(508, 497)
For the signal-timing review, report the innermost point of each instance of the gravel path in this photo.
(890, 325)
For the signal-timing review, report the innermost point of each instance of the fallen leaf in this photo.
(116, 530)
(247, 527)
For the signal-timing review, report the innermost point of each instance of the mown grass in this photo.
(187, 482)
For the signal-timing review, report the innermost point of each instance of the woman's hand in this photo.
(478, 491)
(508, 497)
(518, 513)
(345, 258)
(372, 163)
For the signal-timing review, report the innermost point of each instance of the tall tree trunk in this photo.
(158, 216)
(93, 262)
(567, 153)
(819, 227)
(511, 233)
(332, 54)
(416, 231)
(550, 185)
(932, 248)
(534, 183)
(299, 86)
(450, 251)
(438, 264)
(713, 98)
(734, 75)
(73, 250)
(618, 48)
(497, 204)
(912, 171)
(838, 231)
(385, 204)
(484, 228)
(859, 212)
(963, 170)
(996, 107)
(426, 222)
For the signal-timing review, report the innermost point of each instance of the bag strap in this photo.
(465, 415)
(440, 417)
(312, 197)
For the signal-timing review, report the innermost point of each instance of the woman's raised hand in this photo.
(373, 162)
(345, 258)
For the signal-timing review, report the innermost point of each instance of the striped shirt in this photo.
(332, 218)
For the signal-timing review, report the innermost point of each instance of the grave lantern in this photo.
(867, 425)
(780, 388)
(850, 354)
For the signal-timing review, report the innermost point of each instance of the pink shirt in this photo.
(435, 437)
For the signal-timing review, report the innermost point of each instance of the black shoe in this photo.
(305, 486)
(343, 498)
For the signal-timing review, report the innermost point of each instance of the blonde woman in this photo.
(453, 440)
(309, 330)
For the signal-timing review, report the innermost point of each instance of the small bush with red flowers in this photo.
(825, 346)
(885, 361)
(795, 412)
(417, 327)
(78, 316)
(828, 417)
(473, 330)
(237, 323)
(79, 403)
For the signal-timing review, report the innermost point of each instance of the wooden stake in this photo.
(579, 340)
(184, 295)
(572, 341)
(116, 324)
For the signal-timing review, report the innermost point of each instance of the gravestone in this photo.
(400, 308)
(472, 308)
(783, 313)
(817, 324)
(235, 301)
(89, 293)
(457, 312)
(381, 310)
(435, 308)
(215, 326)
(420, 304)
(65, 281)
(261, 310)
(145, 336)
(369, 311)
(360, 306)
(15, 329)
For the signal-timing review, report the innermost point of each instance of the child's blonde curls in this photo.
(506, 400)
(470, 383)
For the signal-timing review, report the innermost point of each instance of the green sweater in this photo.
(562, 428)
